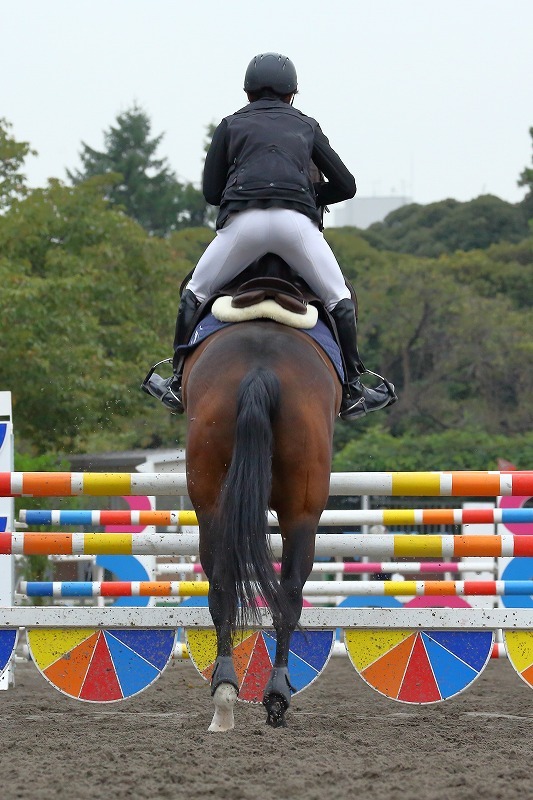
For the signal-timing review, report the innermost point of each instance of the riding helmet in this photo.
(271, 71)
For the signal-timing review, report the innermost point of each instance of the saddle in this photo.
(257, 290)
(268, 289)
(269, 278)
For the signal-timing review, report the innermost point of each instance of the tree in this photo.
(88, 302)
(448, 226)
(12, 157)
(212, 211)
(526, 179)
(453, 334)
(502, 269)
(142, 184)
(376, 450)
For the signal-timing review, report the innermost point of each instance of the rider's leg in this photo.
(168, 390)
(186, 310)
(357, 399)
(235, 246)
(243, 239)
(297, 239)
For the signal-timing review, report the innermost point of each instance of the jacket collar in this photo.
(265, 102)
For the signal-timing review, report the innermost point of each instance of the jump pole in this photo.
(386, 546)
(387, 517)
(452, 619)
(311, 589)
(432, 484)
(514, 622)
(347, 568)
(323, 567)
(101, 630)
(7, 508)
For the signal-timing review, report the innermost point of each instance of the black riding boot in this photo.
(168, 390)
(357, 399)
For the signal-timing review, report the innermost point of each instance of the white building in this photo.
(360, 212)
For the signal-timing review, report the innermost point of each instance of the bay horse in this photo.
(261, 401)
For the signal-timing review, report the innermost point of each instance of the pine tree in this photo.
(526, 179)
(142, 184)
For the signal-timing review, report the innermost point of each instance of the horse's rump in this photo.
(261, 402)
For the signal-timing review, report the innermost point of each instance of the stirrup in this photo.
(165, 390)
(369, 399)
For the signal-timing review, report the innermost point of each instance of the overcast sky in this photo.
(425, 98)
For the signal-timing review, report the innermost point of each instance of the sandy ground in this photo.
(343, 741)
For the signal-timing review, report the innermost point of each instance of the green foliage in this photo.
(447, 226)
(89, 299)
(211, 213)
(377, 450)
(188, 245)
(143, 185)
(88, 302)
(12, 157)
(458, 344)
(46, 462)
(526, 179)
(504, 269)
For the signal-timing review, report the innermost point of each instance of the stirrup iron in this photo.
(162, 388)
(381, 396)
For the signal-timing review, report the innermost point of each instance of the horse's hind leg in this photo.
(296, 565)
(224, 683)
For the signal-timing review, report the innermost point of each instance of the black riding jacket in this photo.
(260, 157)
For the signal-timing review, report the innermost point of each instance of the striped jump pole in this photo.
(387, 517)
(101, 518)
(311, 588)
(402, 567)
(351, 568)
(432, 484)
(328, 567)
(424, 641)
(113, 588)
(386, 546)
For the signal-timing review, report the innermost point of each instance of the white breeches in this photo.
(250, 234)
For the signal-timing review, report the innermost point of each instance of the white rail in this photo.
(314, 618)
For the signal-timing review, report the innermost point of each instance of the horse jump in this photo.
(390, 484)
(365, 622)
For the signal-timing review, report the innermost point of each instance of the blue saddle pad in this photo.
(320, 333)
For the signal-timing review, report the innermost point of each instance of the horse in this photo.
(261, 400)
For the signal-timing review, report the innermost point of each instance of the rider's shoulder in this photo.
(268, 104)
(306, 116)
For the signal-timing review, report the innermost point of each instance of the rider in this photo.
(258, 170)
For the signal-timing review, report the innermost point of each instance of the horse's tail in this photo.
(244, 554)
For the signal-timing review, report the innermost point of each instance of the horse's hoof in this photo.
(224, 698)
(276, 707)
(277, 697)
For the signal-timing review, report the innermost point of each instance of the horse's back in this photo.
(302, 425)
(221, 362)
